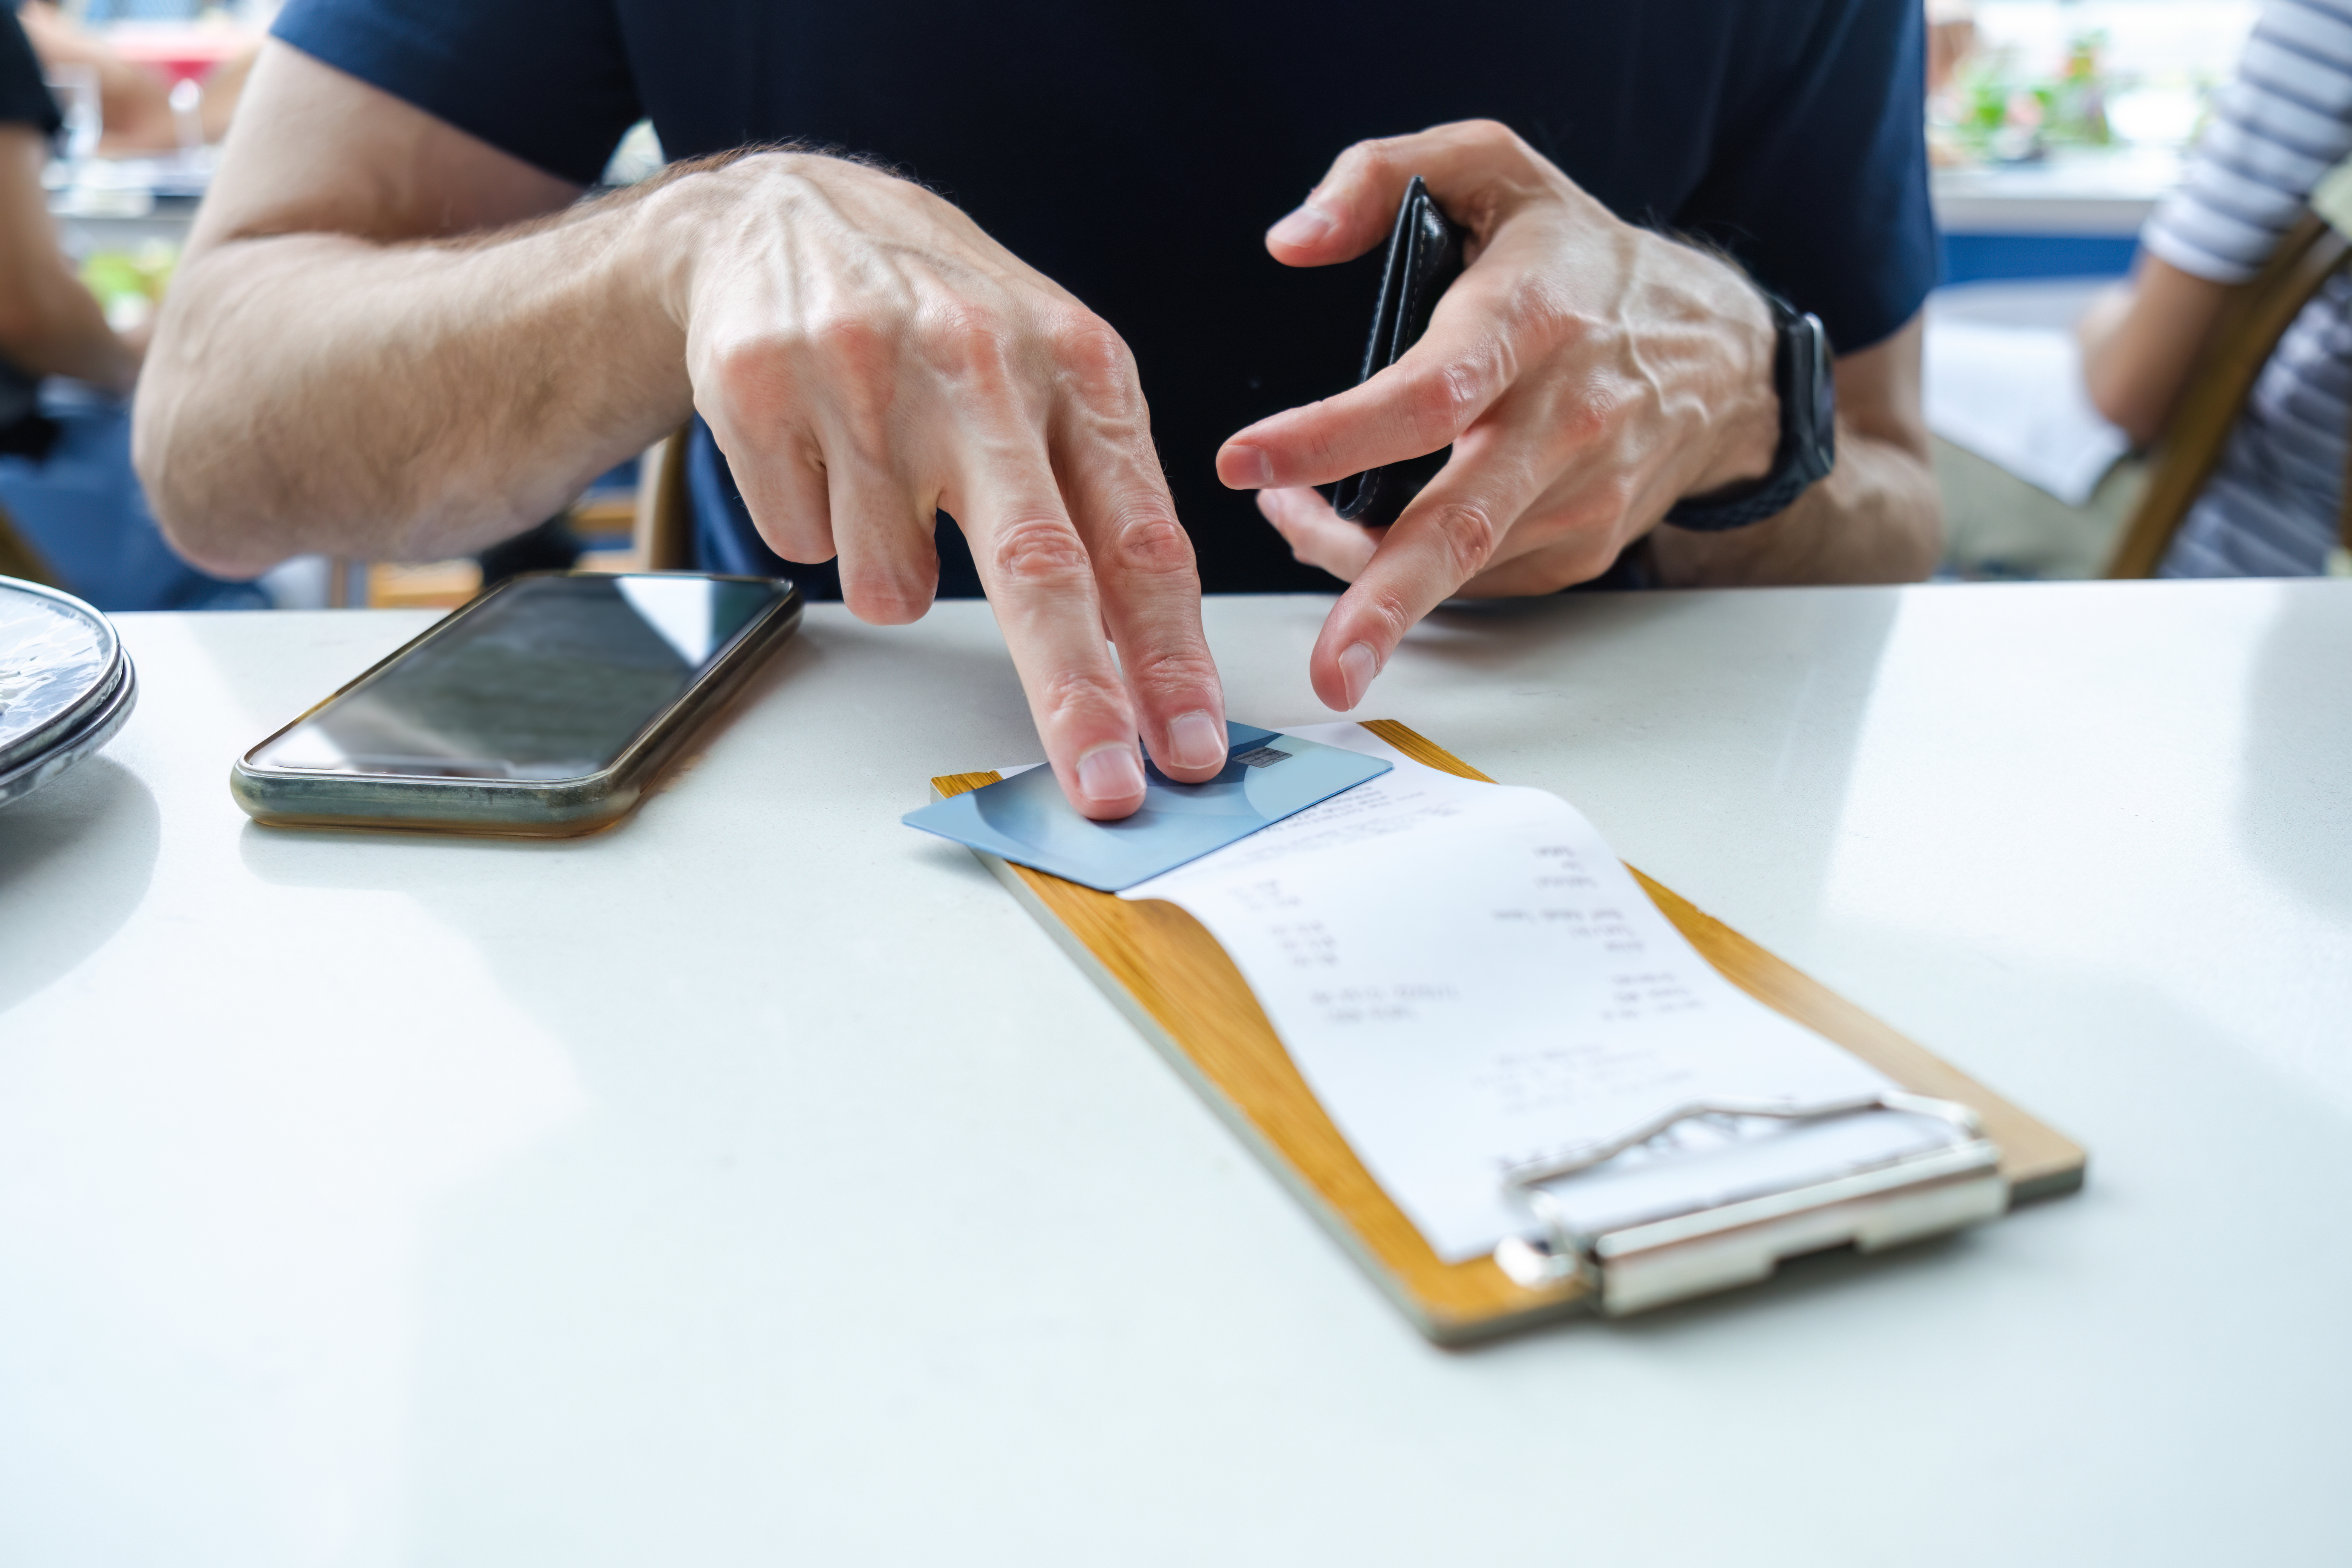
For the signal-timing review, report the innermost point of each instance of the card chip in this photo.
(1261, 757)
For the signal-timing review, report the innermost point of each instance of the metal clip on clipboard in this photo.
(1677, 1255)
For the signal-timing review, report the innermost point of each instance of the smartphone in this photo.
(544, 708)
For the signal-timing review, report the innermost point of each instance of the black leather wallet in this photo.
(1424, 255)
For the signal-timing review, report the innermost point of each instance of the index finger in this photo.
(1435, 391)
(1450, 532)
(1143, 562)
(1041, 586)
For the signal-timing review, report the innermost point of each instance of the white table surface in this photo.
(756, 1183)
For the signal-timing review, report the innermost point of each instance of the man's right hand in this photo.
(368, 350)
(868, 358)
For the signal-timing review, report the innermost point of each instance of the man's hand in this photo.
(390, 339)
(867, 357)
(1588, 374)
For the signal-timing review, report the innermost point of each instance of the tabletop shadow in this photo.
(75, 860)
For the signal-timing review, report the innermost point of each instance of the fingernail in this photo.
(1304, 227)
(1196, 741)
(1252, 468)
(1356, 668)
(1110, 773)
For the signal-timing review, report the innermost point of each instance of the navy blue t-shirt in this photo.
(1136, 153)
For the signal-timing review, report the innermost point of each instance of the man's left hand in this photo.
(1588, 374)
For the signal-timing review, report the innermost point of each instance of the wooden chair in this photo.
(2252, 322)
(663, 537)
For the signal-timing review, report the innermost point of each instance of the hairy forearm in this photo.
(319, 392)
(1875, 519)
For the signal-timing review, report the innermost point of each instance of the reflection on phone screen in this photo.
(551, 679)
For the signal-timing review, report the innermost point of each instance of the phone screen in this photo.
(551, 677)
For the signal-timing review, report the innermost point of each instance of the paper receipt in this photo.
(1469, 978)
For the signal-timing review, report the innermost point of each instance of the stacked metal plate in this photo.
(66, 685)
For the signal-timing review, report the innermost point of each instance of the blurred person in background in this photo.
(134, 99)
(2271, 507)
(1951, 39)
(49, 324)
(77, 516)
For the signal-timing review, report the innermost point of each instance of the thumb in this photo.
(1349, 213)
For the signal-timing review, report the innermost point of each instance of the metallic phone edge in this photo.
(504, 809)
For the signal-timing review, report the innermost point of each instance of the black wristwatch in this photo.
(1800, 374)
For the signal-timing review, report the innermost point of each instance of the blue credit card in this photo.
(1267, 776)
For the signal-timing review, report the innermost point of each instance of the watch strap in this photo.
(1808, 449)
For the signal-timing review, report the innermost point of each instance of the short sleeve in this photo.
(547, 80)
(1818, 180)
(23, 99)
(2280, 125)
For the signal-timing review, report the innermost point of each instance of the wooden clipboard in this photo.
(1168, 974)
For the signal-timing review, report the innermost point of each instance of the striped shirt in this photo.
(2271, 508)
